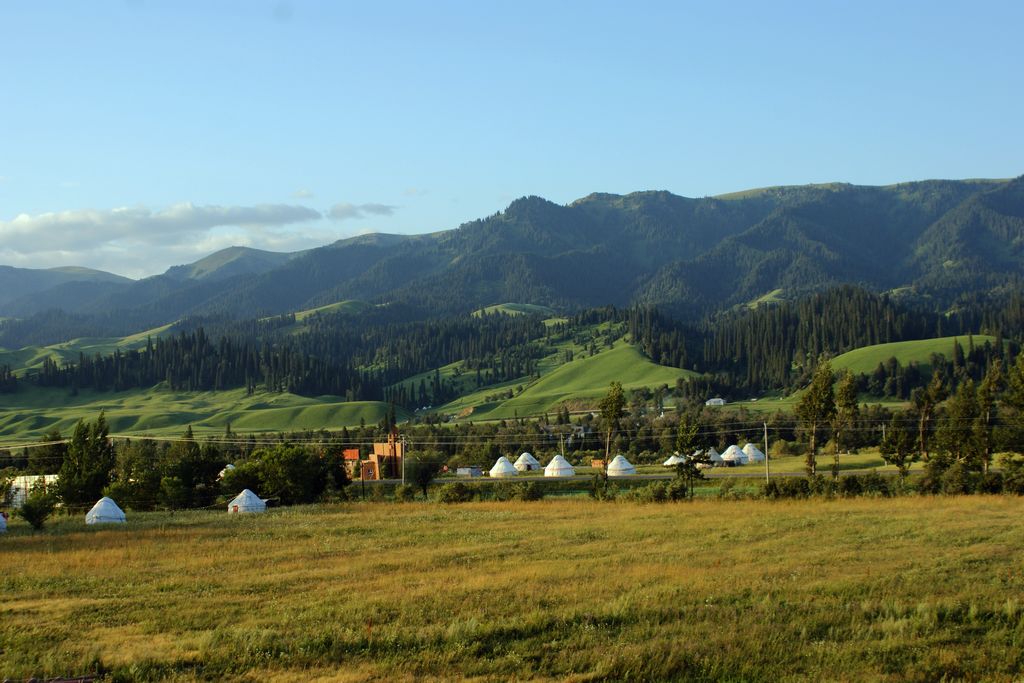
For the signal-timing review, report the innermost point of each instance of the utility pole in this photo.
(405, 452)
(767, 471)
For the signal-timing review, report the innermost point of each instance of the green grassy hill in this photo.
(515, 309)
(32, 357)
(867, 358)
(583, 379)
(28, 414)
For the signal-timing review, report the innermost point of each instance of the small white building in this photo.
(620, 467)
(527, 463)
(754, 454)
(503, 468)
(733, 454)
(559, 467)
(22, 486)
(105, 511)
(246, 502)
(715, 402)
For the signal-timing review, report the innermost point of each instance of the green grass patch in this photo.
(866, 359)
(29, 413)
(515, 309)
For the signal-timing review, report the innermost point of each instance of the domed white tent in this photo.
(734, 455)
(754, 454)
(105, 511)
(246, 501)
(503, 468)
(527, 463)
(674, 460)
(620, 467)
(227, 468)
(711, 454)
(559, 467)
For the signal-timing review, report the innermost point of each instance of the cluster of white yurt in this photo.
(105, 511)
(673, 460)
(559, 467)
(620, 467)
(246, 502)
(734, 455)
(754, 454)
(503, 468)
(527, 463)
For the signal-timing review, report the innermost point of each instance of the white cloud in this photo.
(138, 241)
(345, 211)
(303, 194)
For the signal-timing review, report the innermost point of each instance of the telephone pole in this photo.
(767, 471)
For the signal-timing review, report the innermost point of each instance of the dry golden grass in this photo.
(903, 589)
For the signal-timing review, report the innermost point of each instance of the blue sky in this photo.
(138, 135)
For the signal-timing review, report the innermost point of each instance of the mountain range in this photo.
(935, 240)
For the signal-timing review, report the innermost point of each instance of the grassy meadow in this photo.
(908, 589)
(29, 413)
(867, 358)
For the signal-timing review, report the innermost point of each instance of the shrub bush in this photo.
(37, 508)
(405, 493)
(456, 492)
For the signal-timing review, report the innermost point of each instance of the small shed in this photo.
(503, 468)
(620, 467)
(469, 472)
(754, 453)
(105, 511)
(559, 467)
(246, 502)
(527, 463)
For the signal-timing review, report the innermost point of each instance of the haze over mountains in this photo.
(932, 239)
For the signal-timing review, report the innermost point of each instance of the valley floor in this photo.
(861, 589)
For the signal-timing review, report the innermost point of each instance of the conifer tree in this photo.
(816, 408)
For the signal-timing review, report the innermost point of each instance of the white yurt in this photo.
(754, 454)
(674, 460)
(227, 468)
(105, 511)
(246, 501)
(559, 467)
(503, 468)
(711, 454)
(620, 467)
(735, 455)
(527, 463)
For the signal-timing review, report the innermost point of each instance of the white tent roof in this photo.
(247, 501)
(105, 511)
(734, 454)
(227, 468)
(711, 453)
(620, 467)
(527, 462)
(673, 460)
(559, 467)
(754, 454)
(503, 468)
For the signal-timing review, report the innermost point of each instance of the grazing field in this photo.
(515, 309)
(584, 379)
(29, 413)
(32, 357)
(909, 589)
(867, 358)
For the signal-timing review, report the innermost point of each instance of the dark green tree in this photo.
(899, 446)
(87, 466)
(612, 409)
(816, 408)
(844, 421)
